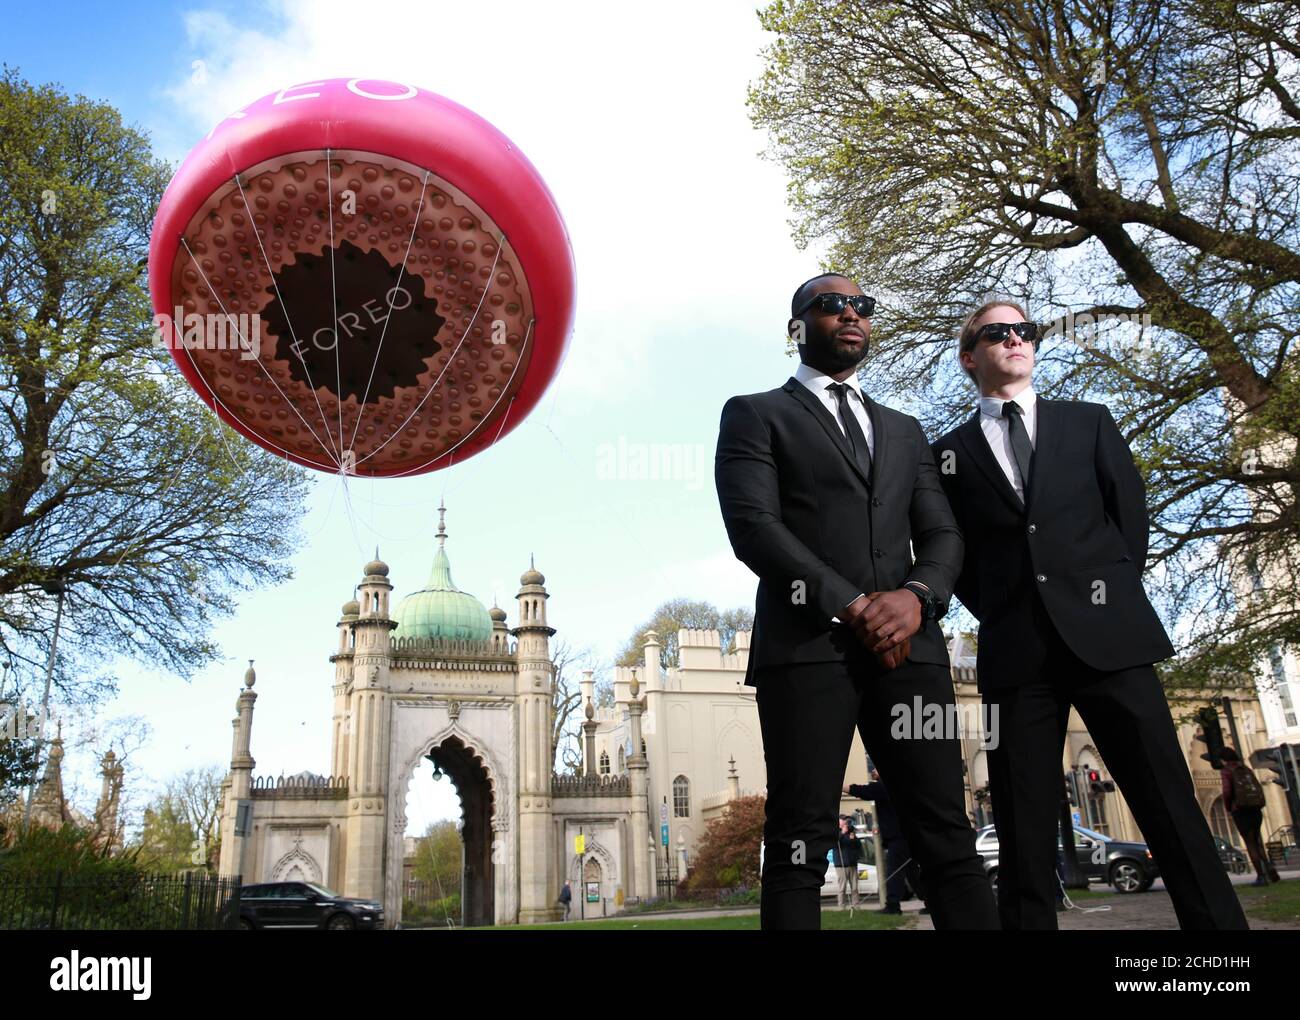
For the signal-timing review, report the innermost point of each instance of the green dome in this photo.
(440, 610)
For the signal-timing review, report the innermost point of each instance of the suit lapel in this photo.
(977, 445)
(832, 428)
(1047, 437)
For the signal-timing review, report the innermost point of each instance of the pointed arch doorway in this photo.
(478, 880)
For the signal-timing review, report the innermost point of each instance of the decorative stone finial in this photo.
(532, 575)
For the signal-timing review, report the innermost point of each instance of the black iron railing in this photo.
(55, 901)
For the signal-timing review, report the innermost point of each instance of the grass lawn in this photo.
(1277, 902)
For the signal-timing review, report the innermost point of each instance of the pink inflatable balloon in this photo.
(363, 276)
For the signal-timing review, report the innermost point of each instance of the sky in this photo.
(635, 116)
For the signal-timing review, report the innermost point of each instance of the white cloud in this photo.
(635, 117)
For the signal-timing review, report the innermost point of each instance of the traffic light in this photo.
(1271, 758)
(1072, 788)
(1211, 735)
(1095, 785)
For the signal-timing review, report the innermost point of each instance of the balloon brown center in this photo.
(389, 318)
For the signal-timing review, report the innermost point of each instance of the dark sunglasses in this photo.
(999, 331)
(833, 304)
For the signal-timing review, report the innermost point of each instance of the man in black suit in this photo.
(900, 868)
(1054, 515)
(834, 502)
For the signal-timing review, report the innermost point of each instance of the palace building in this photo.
(439, 677)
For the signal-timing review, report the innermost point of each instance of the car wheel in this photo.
(245, 924)
(341, 922)
(1127, 877)
(993, 879)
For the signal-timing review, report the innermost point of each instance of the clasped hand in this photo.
(884, 622)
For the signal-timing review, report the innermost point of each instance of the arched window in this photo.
(374, 603)
(681, 797)
(352, 637)
(1220, 825)
(604, 763)
(622, 760)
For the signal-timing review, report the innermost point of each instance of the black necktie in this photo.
(1020, 446)
(857, 441)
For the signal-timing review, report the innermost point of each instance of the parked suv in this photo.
(1128, 867)
(305, 905)
(1233, 859)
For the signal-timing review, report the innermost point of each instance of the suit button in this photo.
(875, 501)
(879, 553)
(1042, 577)
(1033, 528)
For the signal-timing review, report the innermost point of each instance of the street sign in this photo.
(663, 812)
(579, 844)
(663, 834)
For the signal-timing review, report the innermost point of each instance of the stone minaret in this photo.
(642, 878)
(590, 766)
(239, 783)
(107, 825)
(49, 807)
(340, 733)
(535, 677)
(367, 725)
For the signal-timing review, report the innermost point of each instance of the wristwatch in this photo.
(930, 606)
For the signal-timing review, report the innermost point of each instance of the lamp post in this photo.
(56, 587)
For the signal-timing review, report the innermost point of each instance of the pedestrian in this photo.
(1055, 519)
(900, 868)
(1243, 798)
(848, 851)
(566, 897)
(834, 501)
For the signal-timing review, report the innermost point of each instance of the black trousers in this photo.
(1249, 821)
(1129, 721)
(901, 871)
(807, 712)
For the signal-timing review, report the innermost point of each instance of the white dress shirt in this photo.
(998, 433)
(816, 384)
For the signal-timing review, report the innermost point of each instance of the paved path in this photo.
(1151, 910)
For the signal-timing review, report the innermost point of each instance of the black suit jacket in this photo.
(1079, 541)
(886, 816)
(802, 516)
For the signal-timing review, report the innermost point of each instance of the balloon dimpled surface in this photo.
(393, 319)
